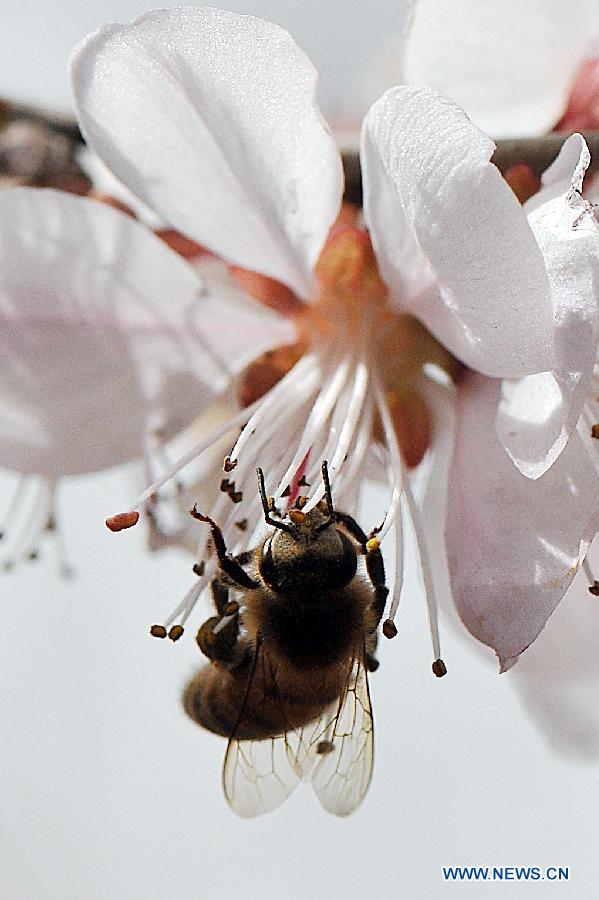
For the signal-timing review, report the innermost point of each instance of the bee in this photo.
(287, 677)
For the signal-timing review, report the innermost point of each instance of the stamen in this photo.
(302, 378)
(122, 521)
(53, 528)
(390, 628)
(351, 416)
(348, 473)
(234, 422)
(224, 622)
(439, 668)
(13, 505)
(393, 516)
(431, 600)
(158, 631)
(36, 522)
(593, 583)
(316, 421)
(187, 604)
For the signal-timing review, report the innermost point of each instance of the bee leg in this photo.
(375, 566)
(370, 659)
(376, 572)
(227, 563)
(218, 639)
(220, 596)
(352, 526)
(244, 558)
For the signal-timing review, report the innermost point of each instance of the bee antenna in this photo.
(267, 506)
(327, 489)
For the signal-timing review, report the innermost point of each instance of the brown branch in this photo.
(538, 152)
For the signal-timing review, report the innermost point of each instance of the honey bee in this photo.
(287, 678)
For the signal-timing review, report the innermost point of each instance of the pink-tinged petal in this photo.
(514, 544)
(511, 65)
(211, 119)
(452, 240)
(557, 677)
(537, 413)
(107, 334)
(582, 113)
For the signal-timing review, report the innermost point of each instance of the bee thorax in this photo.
(313, 629)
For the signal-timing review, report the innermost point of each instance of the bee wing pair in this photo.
(335, 752)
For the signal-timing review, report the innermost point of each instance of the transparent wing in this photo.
(345, 748)
(259, 774)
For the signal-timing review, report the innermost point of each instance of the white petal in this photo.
(437, 207)
(557, 677)
(105, 334)
(211, 118)
(538, 413)
(104, 182)
(511, 65)
(514, 544)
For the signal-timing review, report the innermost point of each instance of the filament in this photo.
(234, 422)
(318, 416)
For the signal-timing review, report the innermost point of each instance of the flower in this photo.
(518, 69)
(215, 126)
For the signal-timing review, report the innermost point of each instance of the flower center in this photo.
(352, 313)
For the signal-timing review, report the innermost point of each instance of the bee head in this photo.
(308, 552)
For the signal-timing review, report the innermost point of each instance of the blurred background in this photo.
(110, 793)
(341, 38)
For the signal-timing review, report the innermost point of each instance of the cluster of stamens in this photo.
(29, 521)
(353, 389)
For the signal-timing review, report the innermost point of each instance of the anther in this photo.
(122, 521)
(158, 631)
(176, 632)
(439, 668)
(594, 589)
(301, 501)
(372, 545)
(229, 464)
(595, 431)
(389, 629)
(199, 568)
(297, 516)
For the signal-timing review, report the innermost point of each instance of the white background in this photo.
(109, 793)
(342, 38)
